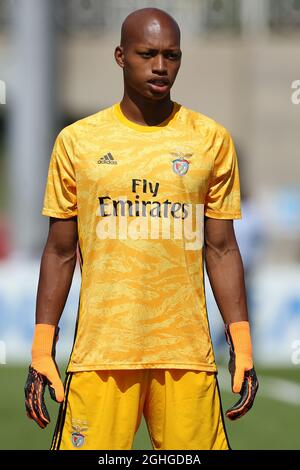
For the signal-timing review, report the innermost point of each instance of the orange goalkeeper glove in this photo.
(243, 375)
(43, 371)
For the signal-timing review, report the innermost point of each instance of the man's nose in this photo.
(159, 64)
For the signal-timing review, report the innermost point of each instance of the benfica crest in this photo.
(77, 435)
(181, 164)
(77, 439)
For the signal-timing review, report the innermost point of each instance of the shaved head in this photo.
(149, 54)
(145, 21)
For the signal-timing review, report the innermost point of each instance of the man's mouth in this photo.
(159, 84)
(159, 81)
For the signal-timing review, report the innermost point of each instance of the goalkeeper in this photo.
(142, 343)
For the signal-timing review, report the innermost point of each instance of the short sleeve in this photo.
(223, 199)
(60, 199)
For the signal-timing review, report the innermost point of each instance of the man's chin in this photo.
(157, 96)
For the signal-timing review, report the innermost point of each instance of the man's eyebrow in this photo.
(151, 48)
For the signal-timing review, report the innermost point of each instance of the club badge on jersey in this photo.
(181, 164)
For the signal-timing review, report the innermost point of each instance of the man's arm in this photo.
(57, 267)
(226, 274)
(225, 270)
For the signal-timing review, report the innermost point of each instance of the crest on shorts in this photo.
(77, 439)
(181, 164)
(77, 436)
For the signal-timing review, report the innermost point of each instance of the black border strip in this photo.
(56, 440)
(222, 413)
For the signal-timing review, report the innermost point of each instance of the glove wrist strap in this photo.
(42, 340)
(241, 338)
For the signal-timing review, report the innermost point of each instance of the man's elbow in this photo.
(63, 251)
(221, 248)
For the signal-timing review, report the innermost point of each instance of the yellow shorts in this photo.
(103, 410)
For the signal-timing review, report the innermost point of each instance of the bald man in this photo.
(147, 190)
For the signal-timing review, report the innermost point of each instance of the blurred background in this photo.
(241, 67)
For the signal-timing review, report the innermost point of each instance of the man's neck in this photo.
(144, 111)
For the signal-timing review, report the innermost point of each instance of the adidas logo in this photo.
(107, 158)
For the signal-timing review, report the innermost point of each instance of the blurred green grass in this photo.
(270, 424)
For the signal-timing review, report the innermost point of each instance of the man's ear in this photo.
(119, 56)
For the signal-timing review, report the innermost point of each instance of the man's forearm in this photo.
(226, 274)
(56, 273)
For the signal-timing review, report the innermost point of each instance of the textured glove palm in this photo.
(243, 376)
(43, 371)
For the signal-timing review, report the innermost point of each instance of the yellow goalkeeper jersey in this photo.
(140, 194)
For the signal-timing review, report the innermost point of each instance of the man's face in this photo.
(151, 59)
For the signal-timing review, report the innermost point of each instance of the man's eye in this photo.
(145, 54)
(173, 55)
